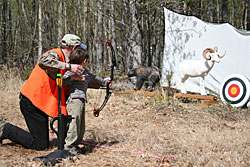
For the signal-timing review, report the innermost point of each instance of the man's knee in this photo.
(41, 145)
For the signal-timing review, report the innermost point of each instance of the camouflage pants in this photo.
(75, 108)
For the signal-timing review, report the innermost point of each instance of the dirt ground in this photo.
(135, 130)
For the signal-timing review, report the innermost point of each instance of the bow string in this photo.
(108, 90)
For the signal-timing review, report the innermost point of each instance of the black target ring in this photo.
(235, 90)
(243, 95)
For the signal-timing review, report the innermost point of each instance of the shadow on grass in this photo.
(90, 145)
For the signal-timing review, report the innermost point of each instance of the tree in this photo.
(40, 39)
(135, 38)
(3, 43)
(135, 27)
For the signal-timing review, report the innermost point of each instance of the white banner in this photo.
(187, 36)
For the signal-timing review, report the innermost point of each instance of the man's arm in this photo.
(51, 62)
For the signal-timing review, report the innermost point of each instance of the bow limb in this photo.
(108, 92)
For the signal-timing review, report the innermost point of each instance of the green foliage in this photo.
(170, 76)
(228, 104)
(156, 101)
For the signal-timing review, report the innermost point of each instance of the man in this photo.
(38, 96)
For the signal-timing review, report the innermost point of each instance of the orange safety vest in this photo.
(42, 91)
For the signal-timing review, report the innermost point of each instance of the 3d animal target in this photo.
(199, 68)
(235, 90)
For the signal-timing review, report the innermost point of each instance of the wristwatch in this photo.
(69, 66)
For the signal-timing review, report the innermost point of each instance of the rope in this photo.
(135, 152)
(123, 150)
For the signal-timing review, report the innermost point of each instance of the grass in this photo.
(140, 131)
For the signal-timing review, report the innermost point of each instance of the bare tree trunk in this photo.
(200, 8)
(185, 7)
(98, 42)
(160, 40)
(60, 21)
(134, 41)
(245, 14)
(210, 11)
(3, 43)
(85, 21)
(77, 13)
(124, 43)
(224, 11)
(40, 39)
(10, 32)
(65, 18)
(232, 13)
(30, 57)
(248, 17)
(218, 10)
(156, 29)
(149, 37)
(113, 26)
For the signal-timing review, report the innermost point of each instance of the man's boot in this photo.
(2, 124)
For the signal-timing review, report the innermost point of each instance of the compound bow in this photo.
(108, 92)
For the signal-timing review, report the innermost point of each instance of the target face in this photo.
(235, 90)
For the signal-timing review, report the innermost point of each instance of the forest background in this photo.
(136, 28)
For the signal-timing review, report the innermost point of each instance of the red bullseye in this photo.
(234, 90)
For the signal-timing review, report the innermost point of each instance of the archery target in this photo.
(235, 89)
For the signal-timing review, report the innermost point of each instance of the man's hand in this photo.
(76, 68)
(107, 80)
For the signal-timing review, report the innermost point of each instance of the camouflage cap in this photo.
(71, 40)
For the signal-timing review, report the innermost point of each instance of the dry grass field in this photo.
(135, 130)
